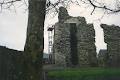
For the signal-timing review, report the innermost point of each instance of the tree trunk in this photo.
(34, 46)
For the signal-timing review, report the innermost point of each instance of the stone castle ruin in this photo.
(74, 41)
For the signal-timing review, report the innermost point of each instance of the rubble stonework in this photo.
(61, 44)
(112, 38)
(102, 58)
(86, 44)
(63, 14)
(74, 41)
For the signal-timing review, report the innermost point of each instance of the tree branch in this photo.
(103, 7)
(8, 2)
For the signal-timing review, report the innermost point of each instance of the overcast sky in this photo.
(13, 26)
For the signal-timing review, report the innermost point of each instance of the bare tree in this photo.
(34, 45)
(102, 5)
(54, 5)
(7, 4)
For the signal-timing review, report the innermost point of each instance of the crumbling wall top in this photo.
(63, 14)
(111, 31)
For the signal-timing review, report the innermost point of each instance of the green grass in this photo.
(85, 74)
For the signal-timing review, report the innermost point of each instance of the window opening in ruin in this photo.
(73, 43)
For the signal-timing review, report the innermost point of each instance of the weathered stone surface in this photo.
(86, 45)
(74, 41)
(63, 14)
(112, 38)
(102, 58)
(62, 44)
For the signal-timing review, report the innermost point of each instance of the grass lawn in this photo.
(85, 74)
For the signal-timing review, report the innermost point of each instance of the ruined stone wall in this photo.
(102, 58)
(66, 49)
(112, 38)
(86, 44)
(62, 44)
(62, 40)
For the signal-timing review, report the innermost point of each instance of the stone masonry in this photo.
(74, 41)
(102, 58)
(112, 38)
(86, 44)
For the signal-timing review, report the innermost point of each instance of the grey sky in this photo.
(13, 26)
(13, 29)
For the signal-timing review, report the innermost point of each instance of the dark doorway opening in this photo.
(73, 43)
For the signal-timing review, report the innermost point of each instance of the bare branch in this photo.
(103, 7)
(8, 2)
(93, 10)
